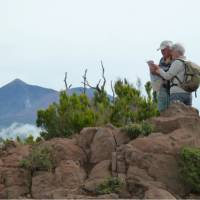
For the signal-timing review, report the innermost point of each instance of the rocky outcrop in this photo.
(175, 117)
(147, 166)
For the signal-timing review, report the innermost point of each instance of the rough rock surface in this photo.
(147, 166)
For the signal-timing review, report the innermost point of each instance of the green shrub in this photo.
(38, 139)
(67, 117)
(135, 130)
(29, 140)
(18, 139)
(41, 158)
(190, 167)
(130, 106)
(101, 106)
(147, 128)
(111, 185)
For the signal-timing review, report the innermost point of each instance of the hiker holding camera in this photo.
(161, 86)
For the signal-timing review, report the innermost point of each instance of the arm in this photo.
(175, 68)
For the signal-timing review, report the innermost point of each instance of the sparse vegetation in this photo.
(30, 140)
(41, 158)
(111, 185)
(138, 129)
(190, 167)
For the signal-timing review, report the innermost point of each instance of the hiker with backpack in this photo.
(183, 75)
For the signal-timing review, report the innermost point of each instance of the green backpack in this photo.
(191, 80)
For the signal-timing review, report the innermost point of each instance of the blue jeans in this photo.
(163, 99)
(185, 98)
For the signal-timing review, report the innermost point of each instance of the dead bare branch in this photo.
(99, 88)
(113, 92)
(103, 76)
(66, 84)
(85, 81)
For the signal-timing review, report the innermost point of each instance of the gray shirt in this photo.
(177, 69)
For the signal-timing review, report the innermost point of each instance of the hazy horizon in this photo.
(42, 39)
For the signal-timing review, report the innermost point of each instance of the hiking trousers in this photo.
(185, 98)
(163, 99)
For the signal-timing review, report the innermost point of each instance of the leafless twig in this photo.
(85, 81)
(103, 76)
(66, 84)
(98, 88)
(113, 92)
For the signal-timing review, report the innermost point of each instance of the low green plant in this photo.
(110, 185)
(29, 140)
(190, 167)
(147, 128)
(137, 129)
(41, 158)
(18, 139)
(38, 139)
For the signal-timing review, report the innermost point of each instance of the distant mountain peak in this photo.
(15, 83)
(18, 81)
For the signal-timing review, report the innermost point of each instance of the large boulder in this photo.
(85, 138)
(99, 143)
(43, 184)
(102, 146)
(14, 182)
(69, 175)
(11, 156)
(67, 179)
(98, 174)
(65, 149)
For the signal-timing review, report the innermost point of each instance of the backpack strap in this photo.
(176, 77)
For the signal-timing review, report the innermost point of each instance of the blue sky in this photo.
(41, 39)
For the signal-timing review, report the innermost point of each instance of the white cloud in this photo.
(21, 130)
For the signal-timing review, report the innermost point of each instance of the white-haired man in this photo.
(176, 75)
(163, 95)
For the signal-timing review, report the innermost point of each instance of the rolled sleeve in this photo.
(175, 68)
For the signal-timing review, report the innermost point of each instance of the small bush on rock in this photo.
(190, 167)
(30, 140)
(138, 129)
(110, 185)
(41, 158)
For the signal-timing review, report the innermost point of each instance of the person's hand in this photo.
(155, 69)
(150, 62)
(152, 69)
